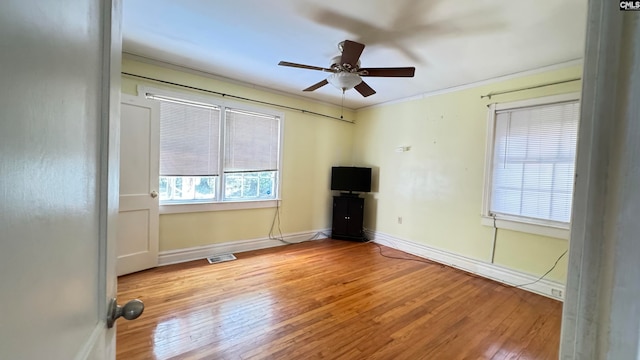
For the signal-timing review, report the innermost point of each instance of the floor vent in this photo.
(220, 258)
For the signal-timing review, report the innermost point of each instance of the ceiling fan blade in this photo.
(388, 72)
(318, 85)
(351, 52)
(310, 67)
(364, 89)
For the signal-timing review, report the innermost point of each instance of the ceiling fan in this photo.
(347, 73)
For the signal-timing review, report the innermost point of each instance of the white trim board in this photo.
(538, 229)
(201, 252)
(494, 272)
(493, 80)
(192, 71)
(490, 81)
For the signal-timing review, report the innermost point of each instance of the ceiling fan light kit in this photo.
(344, 80)
(346, 70)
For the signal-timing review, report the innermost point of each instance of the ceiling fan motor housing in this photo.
(335, 64)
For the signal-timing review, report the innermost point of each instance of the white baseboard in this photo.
(200, 252)
(548, 288)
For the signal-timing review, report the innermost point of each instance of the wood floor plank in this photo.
(331, 299)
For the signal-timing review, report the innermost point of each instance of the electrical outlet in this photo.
(556, 292)
(400, 220)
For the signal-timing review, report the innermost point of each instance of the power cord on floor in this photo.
(276, 218)
(521, 286)
(425, 261)
(545, 274)
(493, 250)
(471, 274)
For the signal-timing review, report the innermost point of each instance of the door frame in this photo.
(101, 343)
(602, 293)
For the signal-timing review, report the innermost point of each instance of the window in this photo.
(216, 154)
(189, 145)
(251, 155)
(530, 164)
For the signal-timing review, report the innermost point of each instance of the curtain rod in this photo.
(489, 95)
(237, 97)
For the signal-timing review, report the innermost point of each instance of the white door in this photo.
(59, 104)
(138, 219)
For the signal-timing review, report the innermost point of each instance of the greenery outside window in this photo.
(214, 154)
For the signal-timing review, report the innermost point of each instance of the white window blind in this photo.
(212, 154)
(251, 142)
(533, 161)
(189, 139)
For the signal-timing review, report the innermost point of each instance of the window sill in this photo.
(217, 206)
(526, 227)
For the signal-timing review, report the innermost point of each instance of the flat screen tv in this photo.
(351, 179)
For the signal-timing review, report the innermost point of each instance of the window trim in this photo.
(512, 222)
(219, 204)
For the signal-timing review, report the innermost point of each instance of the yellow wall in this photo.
(436, 187)
(311, 145)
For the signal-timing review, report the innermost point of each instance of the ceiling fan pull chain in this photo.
(342, 105)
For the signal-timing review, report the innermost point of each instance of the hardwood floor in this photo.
(331, 299)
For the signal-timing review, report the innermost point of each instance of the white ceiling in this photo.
(450, 43)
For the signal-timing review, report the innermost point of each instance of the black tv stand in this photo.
(348, 217)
